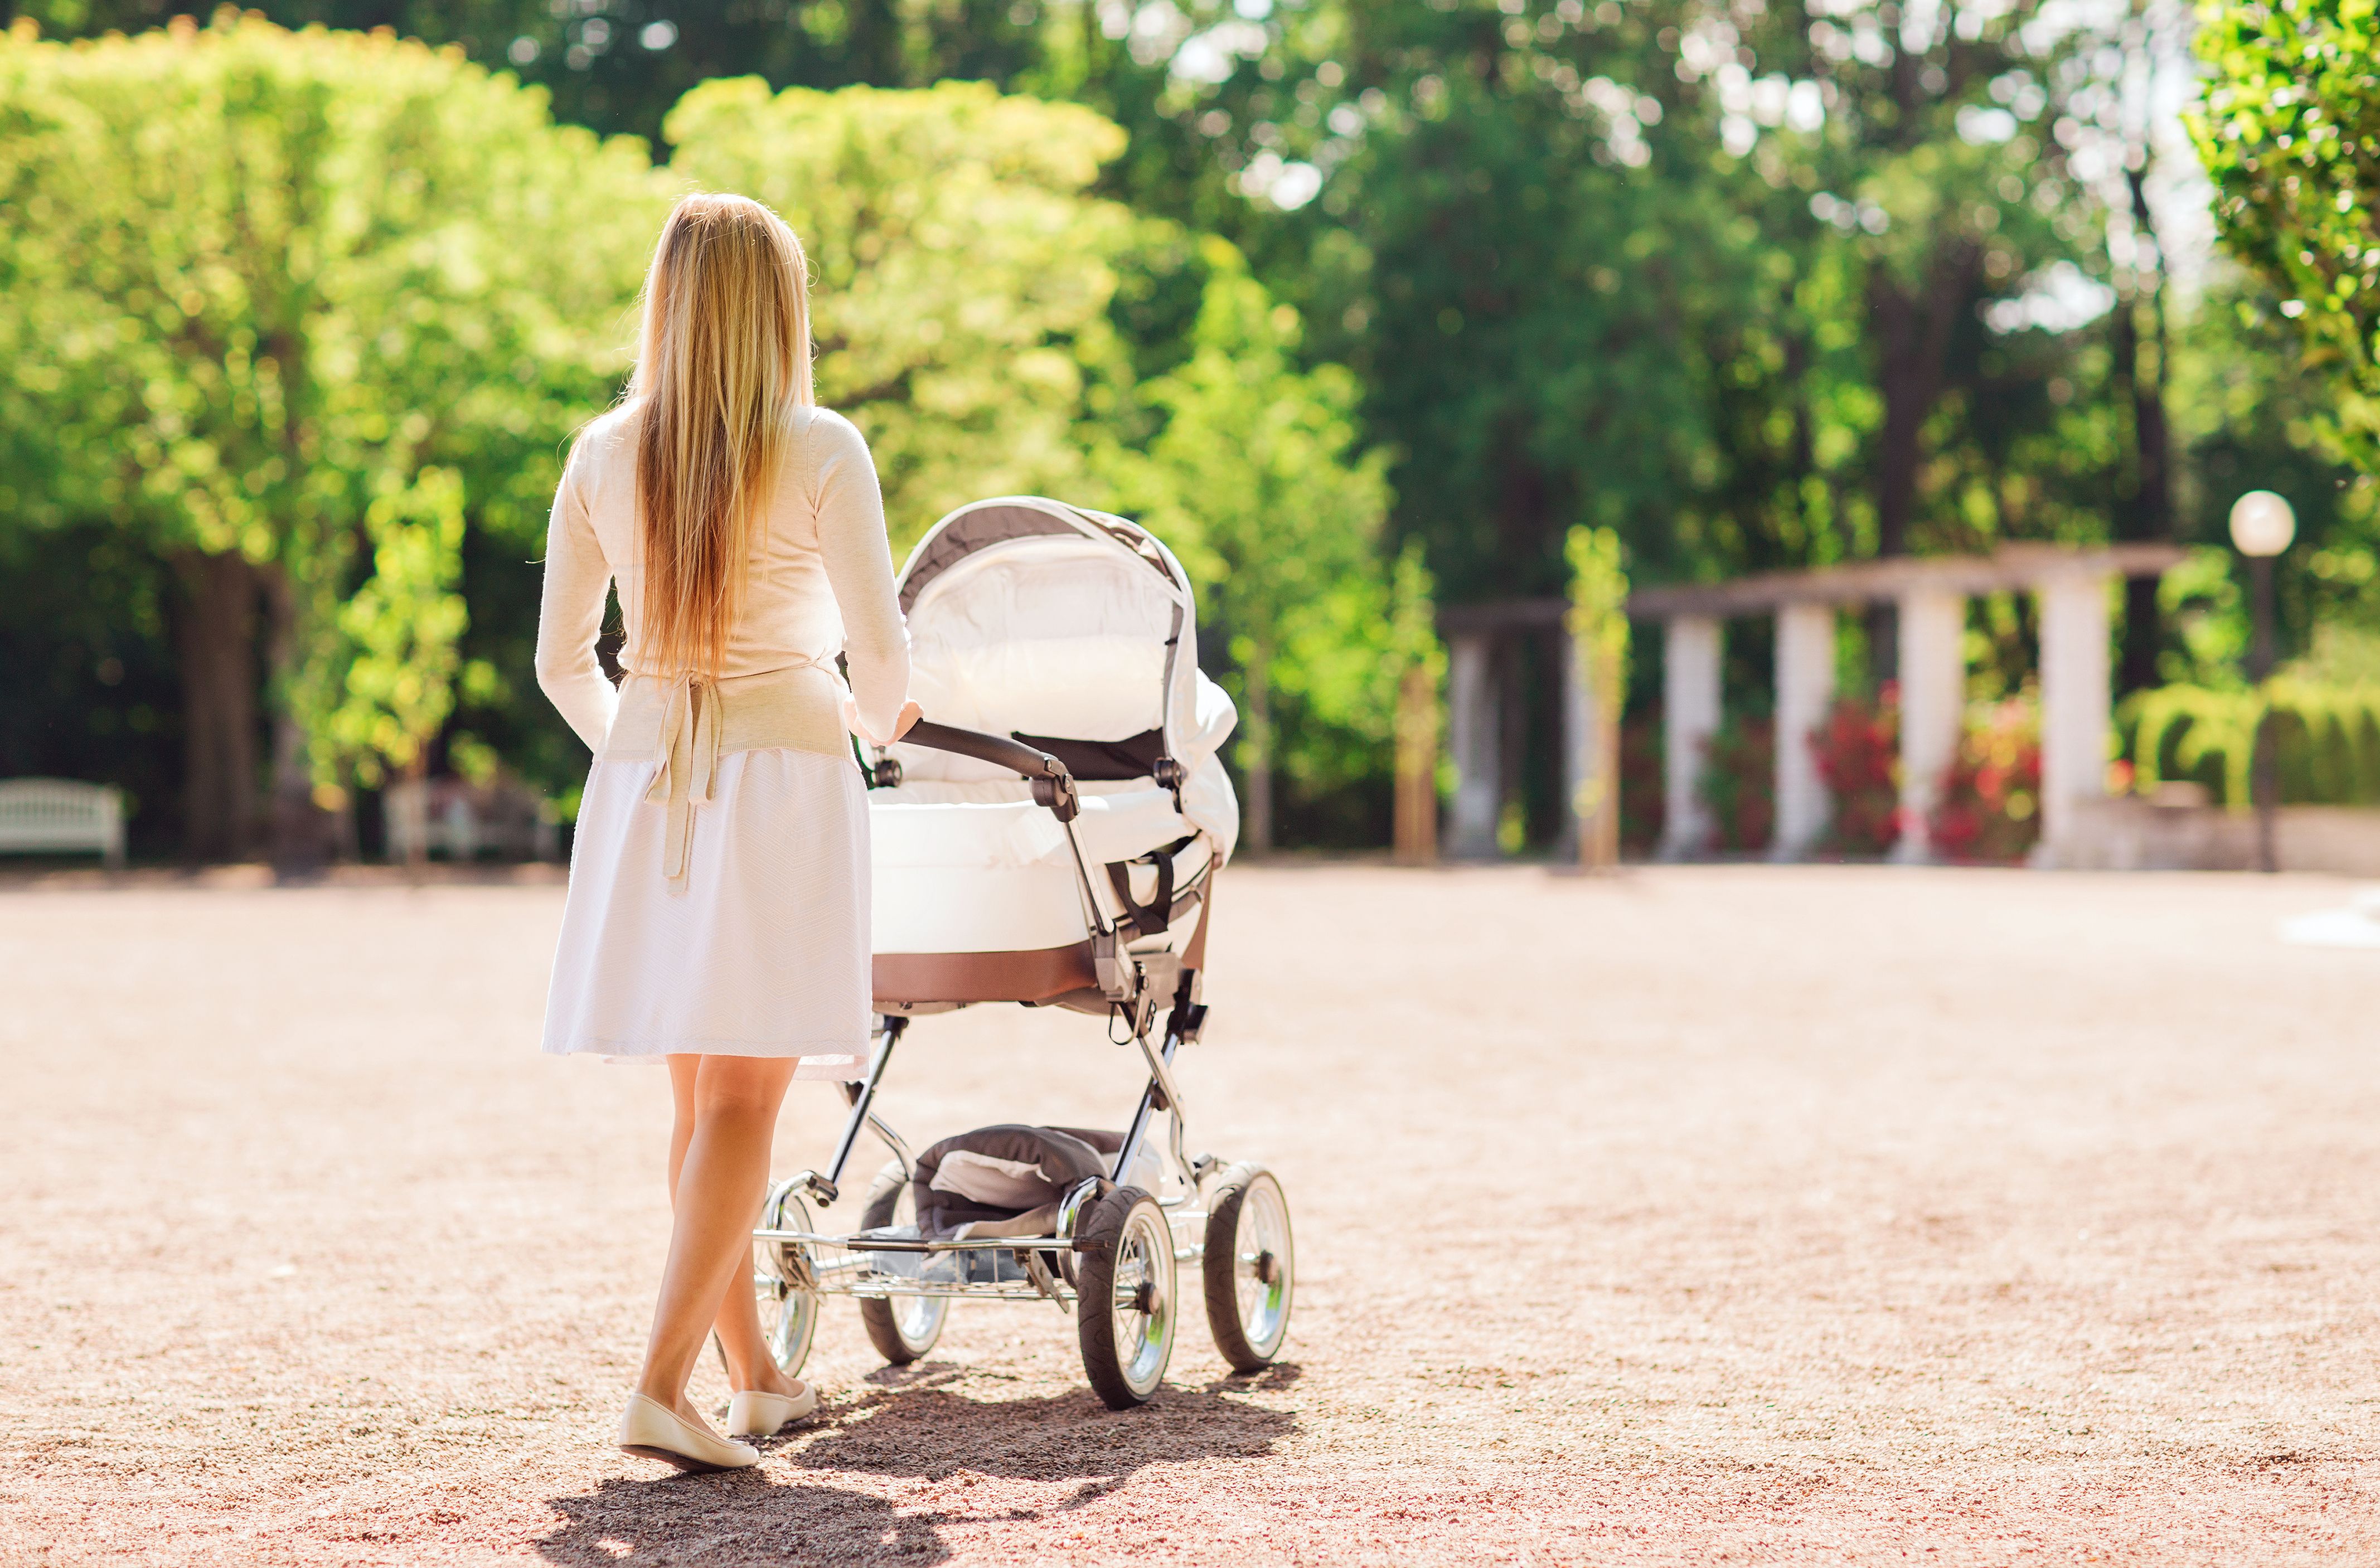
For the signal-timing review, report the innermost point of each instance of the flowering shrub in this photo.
(1990, 805)
(1739, 784)
(1858, 748)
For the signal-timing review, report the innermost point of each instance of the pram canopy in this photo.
(1075, 632)
(1072, 630)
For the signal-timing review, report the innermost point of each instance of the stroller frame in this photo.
(1099, 1221)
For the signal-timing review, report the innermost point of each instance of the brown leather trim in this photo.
(1195, 955)
(1041, 975)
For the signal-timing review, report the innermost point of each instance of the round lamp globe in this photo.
(2262, 523)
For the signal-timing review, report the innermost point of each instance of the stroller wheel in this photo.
(784, 1282)
(1250, 1268)
(1125, 1312)
(907, 1326)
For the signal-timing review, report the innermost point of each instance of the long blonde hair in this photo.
(724, 357)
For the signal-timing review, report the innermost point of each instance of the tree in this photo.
(298, 309)
(620, 65)
(962, 270)
(1259, 479)
(1714, 276)
(1705, 273)
(2116, 94)
(1951, 196)
(1517, 291)
(2249, 414)
(2287, 133)
(1755, 285)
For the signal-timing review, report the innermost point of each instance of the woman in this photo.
(717, 918)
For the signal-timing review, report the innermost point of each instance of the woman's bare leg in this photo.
(750, 1367)
(721, 1174)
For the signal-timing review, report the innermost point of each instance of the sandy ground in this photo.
(1724, 1214)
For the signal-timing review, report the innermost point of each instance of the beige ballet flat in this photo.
(759, 1415)
(653, 1430)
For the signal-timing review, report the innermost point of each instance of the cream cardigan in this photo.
(820, 580)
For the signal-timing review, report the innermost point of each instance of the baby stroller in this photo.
(1050, 838)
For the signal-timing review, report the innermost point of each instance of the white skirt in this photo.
(763, 952)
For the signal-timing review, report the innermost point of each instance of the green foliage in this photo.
(962, 270)
(2252, 415)
(1597, 623)
(1257, 480)
(2329, 738)
(1586, 266)
(2220, 726)
(379, 435)
(1334, 696)
(2341, 655)
(313, 300)
(619, 67)
(2287, 134)
(1527, 313)
(2207, 614)
(1589, 277)
(1597, 617)
(403, 630)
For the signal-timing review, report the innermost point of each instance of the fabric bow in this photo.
(688, 769)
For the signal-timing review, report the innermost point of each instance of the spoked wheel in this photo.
(783, 1280)
(906, 1326)
(1251, 1267)
(1126, 1310)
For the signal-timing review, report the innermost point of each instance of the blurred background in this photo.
(1380, 311)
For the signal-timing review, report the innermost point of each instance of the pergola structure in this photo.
(1930, 593)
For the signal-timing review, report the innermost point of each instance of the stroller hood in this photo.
(1075, 630)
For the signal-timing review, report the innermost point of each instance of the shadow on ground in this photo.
(911, 1425)
(735, 1518)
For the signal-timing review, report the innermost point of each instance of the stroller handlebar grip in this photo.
(1053, 787)
(996, 749)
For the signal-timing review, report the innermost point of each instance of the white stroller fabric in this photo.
(1030, 617)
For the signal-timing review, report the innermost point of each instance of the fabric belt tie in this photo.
(689, 768)
(684, 726)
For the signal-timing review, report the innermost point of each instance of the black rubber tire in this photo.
(883, 1332)
(1221, 1256)
(1095, 1268)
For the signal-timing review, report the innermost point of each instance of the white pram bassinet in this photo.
(1074, 632)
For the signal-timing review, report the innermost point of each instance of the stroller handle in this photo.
(1053, 787)
(998, 750)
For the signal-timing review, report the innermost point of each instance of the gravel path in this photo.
(1743, 1214)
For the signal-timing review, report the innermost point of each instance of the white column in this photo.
(1689, 699)
(1933, 707)
(1805, 686)
(1478, 793)
(2074, 702)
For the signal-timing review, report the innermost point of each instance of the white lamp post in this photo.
(2262, 527)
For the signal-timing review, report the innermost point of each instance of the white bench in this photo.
(61, 816)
